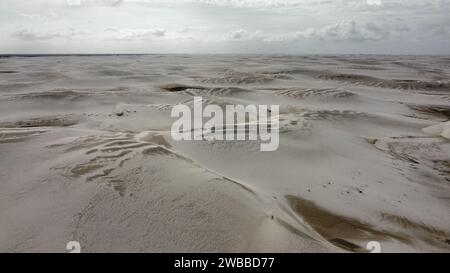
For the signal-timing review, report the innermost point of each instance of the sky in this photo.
(225, 26)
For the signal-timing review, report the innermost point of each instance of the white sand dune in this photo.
(86, 154)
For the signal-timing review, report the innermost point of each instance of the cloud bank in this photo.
(226, 26)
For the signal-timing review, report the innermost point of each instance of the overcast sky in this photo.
(225, 26)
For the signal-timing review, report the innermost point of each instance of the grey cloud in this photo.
(211, 25)
(348, 30)
(114, 2)
(243, 34)
(252, 3)
(29, 35)
(45, 16)
(135, 34)
(85, 2)
(441, 31)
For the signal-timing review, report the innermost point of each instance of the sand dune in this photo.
(86, 154)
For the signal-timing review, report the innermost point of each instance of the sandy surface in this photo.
(86, 155)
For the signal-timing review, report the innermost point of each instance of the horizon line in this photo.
(2, 55)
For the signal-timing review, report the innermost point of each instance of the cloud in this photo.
(114, 2)
(135, 34)
(329, 5)
(374, 2)
(350, 30)
(252, 3)
(441, 31)
(29, 35)
(243, 34)
(347, 30)
(85, 2)
(74, 2)
(45, 16)
(303, 26)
